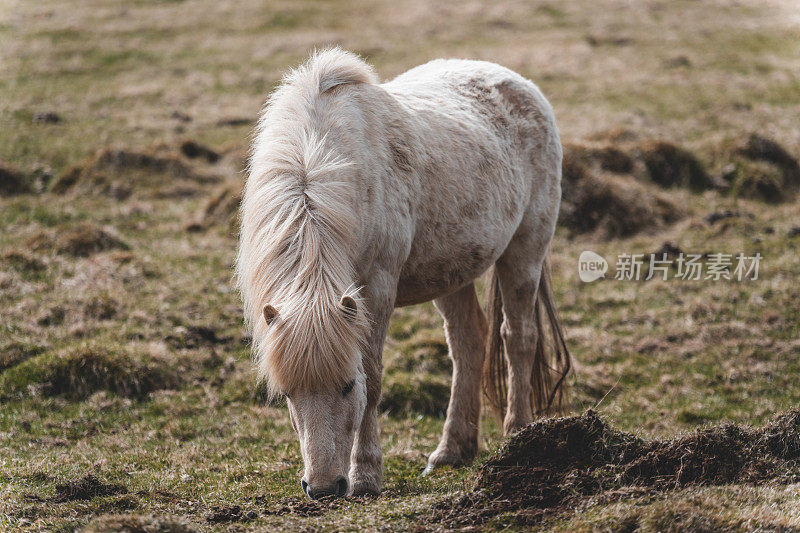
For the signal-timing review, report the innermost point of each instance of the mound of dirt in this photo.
(81, 240)
(78, 373)
(554, 464)
(14, 353)
(235, 121)
(46, 117)
(603, 156)
(115, 171)
(129, 523)
(758, 180)
(12, 181)
(669, 165)
(86, 488)
(194, 336)
(759, 148)
(120, 160)
(609, 205)
(194, 150)
(22, 261)
(758, 167)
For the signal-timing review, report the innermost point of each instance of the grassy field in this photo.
(126, 393)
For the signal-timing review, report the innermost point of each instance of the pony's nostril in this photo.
(341, 486)
(304, 484)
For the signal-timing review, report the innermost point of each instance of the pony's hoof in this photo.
(441, 458)
(513, 424)
(365, 489)
(438, 465)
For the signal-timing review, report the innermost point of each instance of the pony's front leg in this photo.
(366, 459)
(466, 329)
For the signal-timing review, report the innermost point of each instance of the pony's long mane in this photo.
(298, 234)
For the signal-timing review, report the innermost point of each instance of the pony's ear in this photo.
(350, 307)
(270, 314)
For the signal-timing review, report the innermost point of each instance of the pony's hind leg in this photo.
(519, 271)
(465, 328)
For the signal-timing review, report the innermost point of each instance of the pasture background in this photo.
(122, 353)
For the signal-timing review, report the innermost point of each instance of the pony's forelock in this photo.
(298, 236)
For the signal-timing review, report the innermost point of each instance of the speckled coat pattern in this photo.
(405, 192)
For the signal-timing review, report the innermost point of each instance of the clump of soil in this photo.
(235, 121)
(14, 353)
(115, 171)
(303, 507)
(128, 523)
(668, 249)
(22, 261)
(78, 373)
(716, 216)
(196, 336)
(101, 307)
(759, 168)
(608, 205)
(669, 165)
(46, 117)
(553, 464)
(86, 488)
(194, 150)
(757, 179)
(604, 156)
(12, 181)
(120, 160)
(760, 148)
(81, 240)
(232, 513)
(607, 180)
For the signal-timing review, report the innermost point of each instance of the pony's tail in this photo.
(551, 359)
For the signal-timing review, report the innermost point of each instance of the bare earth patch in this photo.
(86, 488)
(137, 524)
(556, 464)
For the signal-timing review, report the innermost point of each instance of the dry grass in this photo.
(122, 352)
(80, 240)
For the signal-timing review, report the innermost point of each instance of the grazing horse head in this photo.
(325, 410)
(295, 269)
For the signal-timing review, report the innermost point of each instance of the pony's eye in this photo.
(349, 387)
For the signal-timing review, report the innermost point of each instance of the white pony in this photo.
(363, 197)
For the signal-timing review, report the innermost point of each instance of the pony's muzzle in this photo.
(338, 489)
